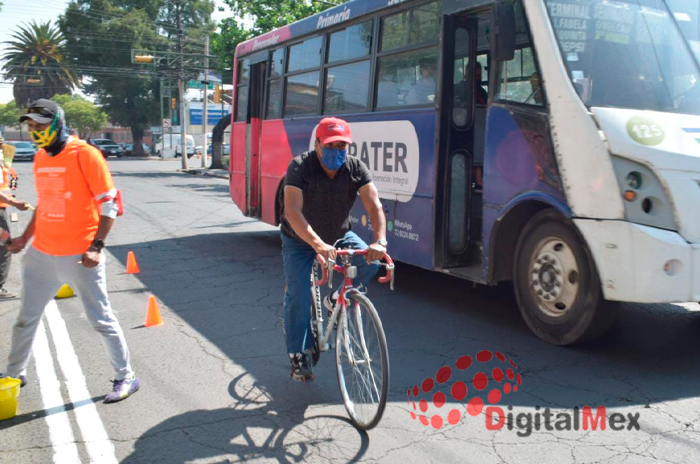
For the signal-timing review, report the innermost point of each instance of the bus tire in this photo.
(556, 283)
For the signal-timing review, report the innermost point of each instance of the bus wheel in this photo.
(557, 285)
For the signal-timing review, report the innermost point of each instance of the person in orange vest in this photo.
(75, 211)
(8, 152)
(6, 200)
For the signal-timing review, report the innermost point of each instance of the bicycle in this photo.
(364, 385)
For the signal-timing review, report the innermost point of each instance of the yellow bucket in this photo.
(9, 392)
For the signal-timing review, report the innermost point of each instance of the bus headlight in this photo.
(646, 201)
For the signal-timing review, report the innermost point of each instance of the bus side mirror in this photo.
(503, 34)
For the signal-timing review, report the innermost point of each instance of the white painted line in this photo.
(60, 431)
(99, 447)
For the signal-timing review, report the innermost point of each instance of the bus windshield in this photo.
(627, 55)
(687, 14)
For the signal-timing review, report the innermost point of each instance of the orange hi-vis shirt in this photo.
(67, 213)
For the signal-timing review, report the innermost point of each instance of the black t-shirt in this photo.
(327, 202)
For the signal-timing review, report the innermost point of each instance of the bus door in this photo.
(463, 131)
(256, 101)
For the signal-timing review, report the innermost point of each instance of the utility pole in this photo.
(205, 114)
(162, 129)
(181, 90)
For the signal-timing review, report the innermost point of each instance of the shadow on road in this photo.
(651, 355)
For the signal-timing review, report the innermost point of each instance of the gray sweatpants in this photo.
(5, 256)
(42, 276)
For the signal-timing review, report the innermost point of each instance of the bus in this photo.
(551, 143)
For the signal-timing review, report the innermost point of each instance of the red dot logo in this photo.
(436, 391)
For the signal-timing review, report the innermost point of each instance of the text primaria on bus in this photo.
(381, 156)
(332, 19)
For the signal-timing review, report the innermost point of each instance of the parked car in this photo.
(25, 150)
(226, 150)
(129, 147)
(107, 147)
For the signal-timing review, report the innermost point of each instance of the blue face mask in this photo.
(333, 158)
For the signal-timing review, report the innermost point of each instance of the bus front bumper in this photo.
(642, 264)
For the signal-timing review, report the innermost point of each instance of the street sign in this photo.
(192, 84)
(214, 115)
(167, 123)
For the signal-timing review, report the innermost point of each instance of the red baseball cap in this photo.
(331, 130)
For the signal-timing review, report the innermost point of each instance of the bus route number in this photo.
(645, 132)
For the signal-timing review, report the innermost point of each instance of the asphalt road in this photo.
(215, 377)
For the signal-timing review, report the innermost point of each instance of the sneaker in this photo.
(301, 367)
(6, 294)
(122, 389)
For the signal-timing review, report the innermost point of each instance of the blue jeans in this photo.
(298, 260)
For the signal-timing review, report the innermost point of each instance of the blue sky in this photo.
(16, 12)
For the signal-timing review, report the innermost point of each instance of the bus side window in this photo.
(274, 87)
(242, 90)
(408, 77)
(518, 79)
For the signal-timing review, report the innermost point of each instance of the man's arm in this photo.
(293, 206)
(17, 244)
(10, 200)
(370, 199)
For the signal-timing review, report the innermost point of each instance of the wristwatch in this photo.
(98, 244)
(382, 242)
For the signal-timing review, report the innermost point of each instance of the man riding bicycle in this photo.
(320, 189)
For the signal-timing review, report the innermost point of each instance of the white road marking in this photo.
(60, 431)
(99, 447)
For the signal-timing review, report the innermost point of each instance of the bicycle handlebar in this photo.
(330, 266)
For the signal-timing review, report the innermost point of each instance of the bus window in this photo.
(274, 99)
(305, 55)
(412, 27)
(519, 80)
(425, 23)
(353, 42)
(242, 90)
(407, 78)
(302, 94)
(276, 64)
(347, 87)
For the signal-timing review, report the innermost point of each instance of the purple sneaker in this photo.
(122, 389)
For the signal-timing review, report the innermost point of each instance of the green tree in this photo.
(37, 51)
(81, 114)
(101, 35)
(9, 115)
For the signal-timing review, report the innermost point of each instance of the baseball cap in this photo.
(331, 130)
(42, 111)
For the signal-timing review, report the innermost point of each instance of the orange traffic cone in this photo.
(132, 266)
(153, 314)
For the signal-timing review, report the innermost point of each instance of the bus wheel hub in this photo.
(554, 277)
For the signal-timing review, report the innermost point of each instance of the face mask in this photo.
(333, 158)
(46, 137)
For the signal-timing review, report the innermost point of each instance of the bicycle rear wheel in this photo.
(362, 360)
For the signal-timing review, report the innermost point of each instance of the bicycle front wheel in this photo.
(362, 360)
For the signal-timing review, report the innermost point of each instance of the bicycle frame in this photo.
(349, 273)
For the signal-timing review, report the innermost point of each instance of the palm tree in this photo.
(35, 60)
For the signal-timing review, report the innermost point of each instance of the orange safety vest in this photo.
(5, 185)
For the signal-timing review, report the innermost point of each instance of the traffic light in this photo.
(217, 93)
(144, 58)
(173, 103)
